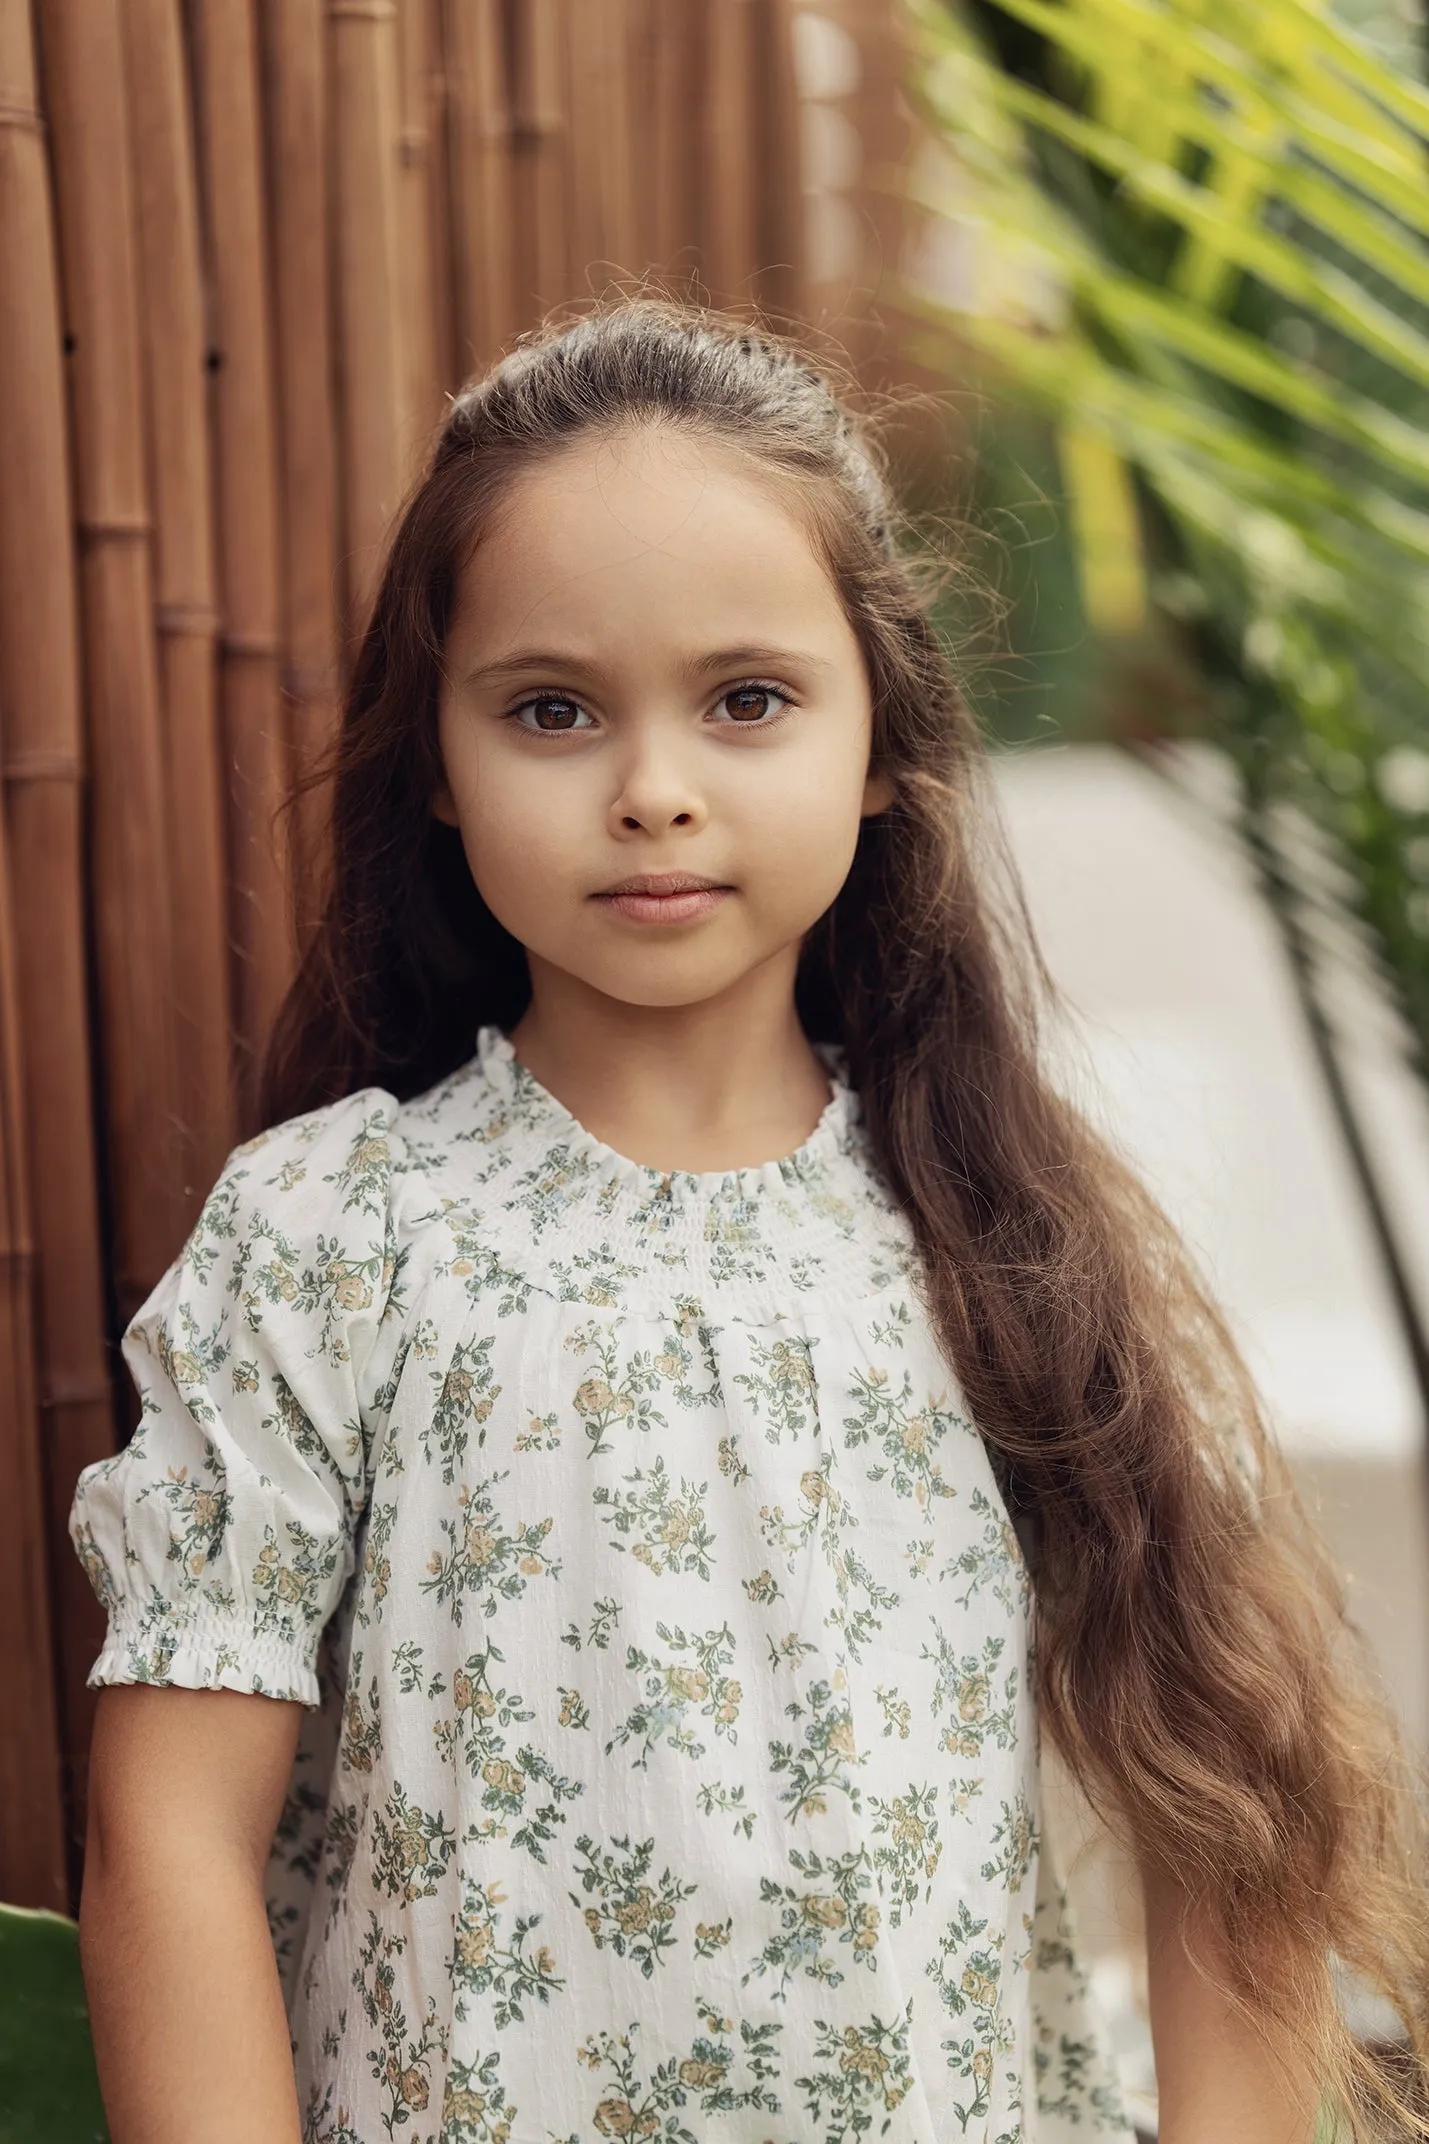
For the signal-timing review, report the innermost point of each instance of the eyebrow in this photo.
(523, 662)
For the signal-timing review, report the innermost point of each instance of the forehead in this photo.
(652, 525)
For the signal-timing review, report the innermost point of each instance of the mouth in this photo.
(664, 896)
(665, 882)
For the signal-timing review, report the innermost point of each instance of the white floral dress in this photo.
(673, 1766)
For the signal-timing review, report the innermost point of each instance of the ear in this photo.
(444, 805)
(878, 792)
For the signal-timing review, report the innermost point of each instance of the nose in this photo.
(656, 788)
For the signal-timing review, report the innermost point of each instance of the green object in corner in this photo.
(49, 2091)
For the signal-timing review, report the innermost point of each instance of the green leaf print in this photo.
(966, 1687)
(906, 1435)
(730, 1464)
(340, 1833)
(714, 1798)
(376, 1564)
(361, 1725)
(574, 1712)
(322, 2124)
(866, 2073)
(673, 1689)
(465, 1396)
(830, 1907)
(475, 2109)
(706, 2071)
(818, 1762)
(485, 1561)
(895, 1329)
(200, 1512)
(402, 2061)
(411, 1848)
(481, 1964)
(995, 1561)
(1015, 1838)
(631, 1917)
(329, 1290)
(541, 1434)
(481, 1268)
(293, 1426)
(781, 1389)
(366, 1173)
(604, 1616)
(290, 1594)
(672, 1532)
(511, 1784)
(858, 1621)
(967, 1974)
(821, 1505)
(897, 1713)
(675, 1361)
(96, 1567)
(407, 1666)
(631, 2107)
(217, 1224)
(191, 1365)
(597, 1276)
(612, 1394)
(908, 1862)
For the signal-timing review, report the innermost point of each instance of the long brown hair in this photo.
(1195, 1662)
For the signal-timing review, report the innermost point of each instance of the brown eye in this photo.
(752, 703)
(554, 714)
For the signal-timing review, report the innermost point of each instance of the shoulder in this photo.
(328, 1173)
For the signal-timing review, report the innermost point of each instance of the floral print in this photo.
(670, 1762)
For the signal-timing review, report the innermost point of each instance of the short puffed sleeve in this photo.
(220, 1539)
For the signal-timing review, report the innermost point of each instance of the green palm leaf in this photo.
(1192, 233)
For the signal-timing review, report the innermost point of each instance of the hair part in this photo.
(1196, 1663)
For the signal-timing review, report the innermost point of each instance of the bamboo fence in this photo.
(247, 249)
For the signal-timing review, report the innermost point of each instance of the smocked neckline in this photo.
(538, 1108)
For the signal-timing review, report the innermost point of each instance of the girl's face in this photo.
(649, 672)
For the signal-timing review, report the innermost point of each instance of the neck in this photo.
(726, 1083)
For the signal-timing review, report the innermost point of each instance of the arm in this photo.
(190, 2035)
(1215, 2076)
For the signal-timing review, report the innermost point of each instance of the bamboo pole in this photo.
(41, 754)
(230, 163)
(439, 206)
(669, 180)
(539, 159)
(871, 214)
(171, 288)
(479, 122)
(84, 95)
(731, 151)
(363, 59)
(645, 26)
(600, 193)
(419, 134)
(32, 1847)
(297, 133)
(779, 212)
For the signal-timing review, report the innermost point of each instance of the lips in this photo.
(664, 883)
(676, 897)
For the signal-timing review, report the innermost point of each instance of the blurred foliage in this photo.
(1189, 235)
(49, 2091)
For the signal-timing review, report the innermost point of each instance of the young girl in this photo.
(681, 1401)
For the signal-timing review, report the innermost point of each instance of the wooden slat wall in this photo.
(248, 248)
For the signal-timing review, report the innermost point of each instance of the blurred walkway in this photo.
(1190, 1048)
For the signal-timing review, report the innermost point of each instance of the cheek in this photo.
(802, 824)
(516, 850)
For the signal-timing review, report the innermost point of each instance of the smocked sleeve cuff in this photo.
(205, 1650)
